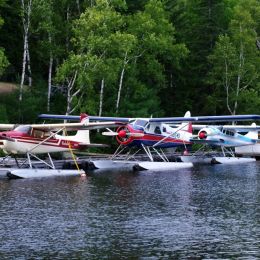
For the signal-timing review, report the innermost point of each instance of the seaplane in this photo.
(226, 137)
(32, 140)
(152, 134)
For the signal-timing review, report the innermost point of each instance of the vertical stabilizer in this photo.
(83, 135)
(253, 134)
(186, 126)
(184, 131)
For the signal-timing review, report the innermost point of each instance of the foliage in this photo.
(235, 59)
(155, 57)
(3, 60)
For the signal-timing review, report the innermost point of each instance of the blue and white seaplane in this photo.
(35, 139)
(226, 137)
(153, 134)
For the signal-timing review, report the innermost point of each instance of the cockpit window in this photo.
(140, 123)
(157, 130)
(228, 132)
(23, 128)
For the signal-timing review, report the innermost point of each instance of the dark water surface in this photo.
(208, 212)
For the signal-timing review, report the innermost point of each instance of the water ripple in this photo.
(209, 212)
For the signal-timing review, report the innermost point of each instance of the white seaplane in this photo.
(36, 139)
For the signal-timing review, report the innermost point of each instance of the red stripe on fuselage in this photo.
(51, 142)
(157, 138)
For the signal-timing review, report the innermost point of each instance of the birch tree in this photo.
(123, 53)
(236, 65)
(44, 23)
(26, 10)
(94, 40)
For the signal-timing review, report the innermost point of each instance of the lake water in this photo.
(208, 212)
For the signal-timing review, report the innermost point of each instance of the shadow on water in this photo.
(207, 212)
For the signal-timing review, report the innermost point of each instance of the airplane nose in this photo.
(202, 135)
(122, 133)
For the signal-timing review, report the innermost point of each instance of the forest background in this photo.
(129, 58)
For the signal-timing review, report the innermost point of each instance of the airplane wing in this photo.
(91, 118)
(75, 126)
(6, 127)
(207, 118)
(226, 118)
(242, 128)
(235, 128)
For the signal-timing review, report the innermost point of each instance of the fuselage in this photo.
(23, 139)
(226, 138)
(159, 135)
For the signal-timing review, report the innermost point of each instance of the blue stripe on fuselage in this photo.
(138, 143)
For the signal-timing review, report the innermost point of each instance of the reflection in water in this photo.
(205, 212)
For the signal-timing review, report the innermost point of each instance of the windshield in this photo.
(23, 128)
(141, 123)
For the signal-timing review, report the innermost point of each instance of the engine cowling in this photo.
(123, 136)
(204, 133)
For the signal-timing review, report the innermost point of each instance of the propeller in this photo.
(122, 134)
(203, 135)
(110, 133)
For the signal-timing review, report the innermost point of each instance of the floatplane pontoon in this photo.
(226, 157)
(131, 160)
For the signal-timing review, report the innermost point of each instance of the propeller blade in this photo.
(110, 133)
(135, 134)
(128, 134)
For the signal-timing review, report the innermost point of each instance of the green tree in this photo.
(198, 24)
(236, 60)
(126, 54)
(3, 60)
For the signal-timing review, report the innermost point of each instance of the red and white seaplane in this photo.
(45, 139)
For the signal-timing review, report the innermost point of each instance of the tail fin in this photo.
(83, 135)
(253, 134)
(186, 126)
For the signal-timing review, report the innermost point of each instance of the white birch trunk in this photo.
(101, 97)
(241, 65)
(227, 87)
(28, 64)
(23, 71)
(26, 14)
(121, 83)
(70, 96)
(49, 77)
